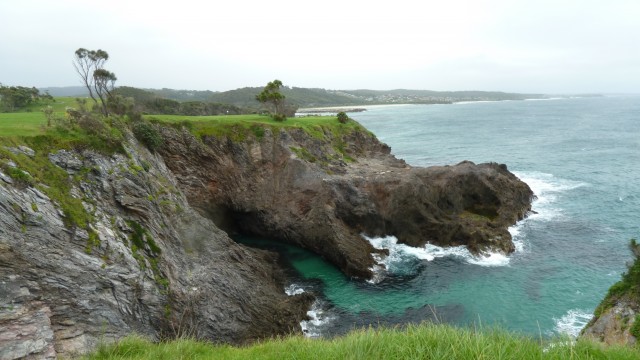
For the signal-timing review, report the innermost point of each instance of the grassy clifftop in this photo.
(234, 126)
(426, 341)
(32, 121)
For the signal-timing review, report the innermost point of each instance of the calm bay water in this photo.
(582, 159)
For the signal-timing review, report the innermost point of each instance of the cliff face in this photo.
(152, 258)
(324, 193)
(614, 325)
(148, 264)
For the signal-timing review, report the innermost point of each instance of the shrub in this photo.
(278, 117)
(343, 117)
(120, 105)
(635, 328)
(147, 134)
(91, 124)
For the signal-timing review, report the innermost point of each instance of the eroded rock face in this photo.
(613, 326)
(315, 199)
(65, 289)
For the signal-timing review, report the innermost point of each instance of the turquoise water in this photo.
(582, 159)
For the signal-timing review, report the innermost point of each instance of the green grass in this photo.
(31, 121)
(237, 127)
(59, 104)
(22, 124)
(426, 341)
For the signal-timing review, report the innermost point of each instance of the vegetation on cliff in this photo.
(425, 341)
(617, 317)
(628, 287)
(81, 129)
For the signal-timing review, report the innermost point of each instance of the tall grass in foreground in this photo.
(425, 341)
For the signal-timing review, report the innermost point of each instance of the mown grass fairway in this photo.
(22, 124)
(31, 121)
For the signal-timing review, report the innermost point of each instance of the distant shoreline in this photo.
(337, 109)
(361, 108)
(331, 109)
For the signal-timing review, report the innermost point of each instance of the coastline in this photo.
(361, 108)
(347, 109)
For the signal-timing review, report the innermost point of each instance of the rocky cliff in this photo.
(324, 192)
(143, 250)
(147, 263)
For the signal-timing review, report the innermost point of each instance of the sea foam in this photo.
(404, 259)
(293, 289)
(319, 318)
(572, 322)
(547, 188)
(318, 315)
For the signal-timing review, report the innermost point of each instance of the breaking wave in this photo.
(572, 322)
(319, 316)
(546, 188)
(405, 260)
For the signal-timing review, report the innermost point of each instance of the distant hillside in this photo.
(70, 91)
(314, 97)
(306, 97)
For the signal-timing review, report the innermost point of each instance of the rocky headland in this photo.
(154, 255)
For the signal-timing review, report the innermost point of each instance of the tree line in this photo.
(14, 98)
(107, 99)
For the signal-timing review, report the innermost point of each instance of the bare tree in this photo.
(100, 82)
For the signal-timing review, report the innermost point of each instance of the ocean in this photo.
(580, 156)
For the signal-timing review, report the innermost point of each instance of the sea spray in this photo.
(405, 260)
(572, 322)
(318, 314)
(547, 187)
(293, 289)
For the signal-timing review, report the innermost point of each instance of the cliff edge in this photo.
(324, 190)
(96, 245)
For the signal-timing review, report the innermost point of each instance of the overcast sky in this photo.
(541, 46)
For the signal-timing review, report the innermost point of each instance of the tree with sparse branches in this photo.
(89, 64)
(272, 96)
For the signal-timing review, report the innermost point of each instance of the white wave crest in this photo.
(293, 289)
(547, 187)
(572, 322)
(517, 237)
(318, 318)
(402, 258)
